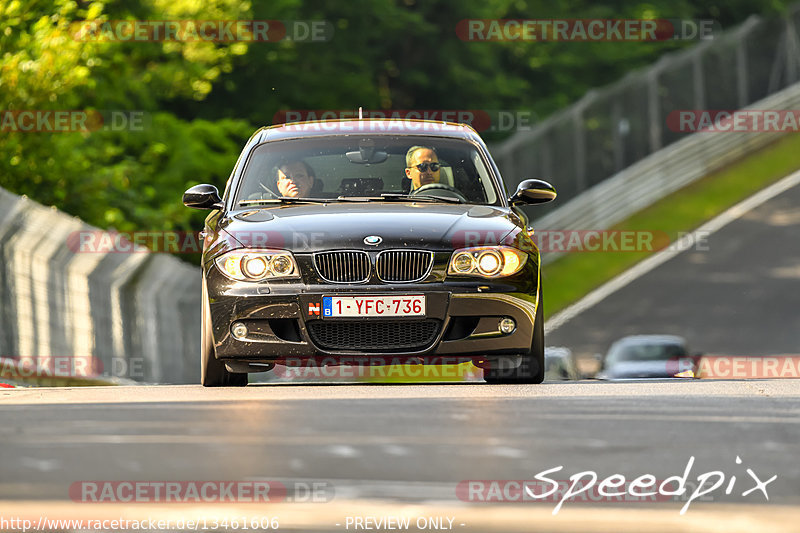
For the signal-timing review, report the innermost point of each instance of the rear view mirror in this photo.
(367, 154)
(202, 196)
(533, 192)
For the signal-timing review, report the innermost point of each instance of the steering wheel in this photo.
(272, 194)
(436, 188)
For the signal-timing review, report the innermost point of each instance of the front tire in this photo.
(212, 371)
(531, 368)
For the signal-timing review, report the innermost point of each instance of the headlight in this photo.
(487, 261)
(257, 265)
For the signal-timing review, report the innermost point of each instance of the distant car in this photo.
(352, 263)
(646, 356)
(559, 364)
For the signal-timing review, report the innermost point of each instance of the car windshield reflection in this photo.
(646, 352)
(380, 168)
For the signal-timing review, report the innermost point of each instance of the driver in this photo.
(422, 166)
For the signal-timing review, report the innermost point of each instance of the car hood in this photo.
(317, 227)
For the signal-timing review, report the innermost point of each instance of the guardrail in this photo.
(662, 173)
(624, 129)
(137, 314)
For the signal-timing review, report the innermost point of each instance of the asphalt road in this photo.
(432, 452)
(737, 292)
(402, 450)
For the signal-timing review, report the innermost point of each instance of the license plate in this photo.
(369, 306)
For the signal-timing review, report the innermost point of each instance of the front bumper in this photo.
(281, 320)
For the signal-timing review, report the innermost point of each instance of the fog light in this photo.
(282, 265)
(239, 330)
(463, 263)
(507, 325)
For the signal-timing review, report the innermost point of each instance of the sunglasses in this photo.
(423, 167)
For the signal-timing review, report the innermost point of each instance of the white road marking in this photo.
(42, 465)
(505, 451)
(393, 449)
(657, 259)
(343, 451)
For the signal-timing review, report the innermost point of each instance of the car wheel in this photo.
(212, 371)
(531, 368)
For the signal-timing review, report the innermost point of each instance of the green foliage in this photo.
(202, 99)
(123, 179)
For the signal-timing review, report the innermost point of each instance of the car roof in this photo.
(372, 126)
(557, 352)
(650, 339)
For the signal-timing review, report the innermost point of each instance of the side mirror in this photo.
(202, 197)
(533, 192)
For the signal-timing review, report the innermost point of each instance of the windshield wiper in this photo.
(286, 200)
(393, 196)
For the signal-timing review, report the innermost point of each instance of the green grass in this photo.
(572, 276)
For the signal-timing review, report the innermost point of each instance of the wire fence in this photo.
(612, 128)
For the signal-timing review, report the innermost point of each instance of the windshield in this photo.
(353, 167)
(645, 352)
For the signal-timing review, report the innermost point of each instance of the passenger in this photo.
(295, 179)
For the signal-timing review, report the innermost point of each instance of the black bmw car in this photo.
(369, 242)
